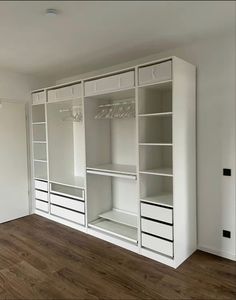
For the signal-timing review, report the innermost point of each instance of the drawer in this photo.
(111, 83)
(155, 73)
(41, 185)
(158, 245)
(156, 212)
(67, 214)
(67, 191)
(159, 229)
(39, 98)
(67, 202)
(41, 195)
(41, 205)
(65, 93)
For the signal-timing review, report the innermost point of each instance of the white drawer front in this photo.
(65, 93)
(155, 73)
(157, 213)
(41, 195)
(67, 202)
(41, 185)
(157, 244)
(111, 83)
(67, 214)
(39, 98)
(41, 205)
(159, 229)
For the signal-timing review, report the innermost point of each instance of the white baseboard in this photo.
(218, 252)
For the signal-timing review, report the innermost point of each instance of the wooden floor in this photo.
(40, 259)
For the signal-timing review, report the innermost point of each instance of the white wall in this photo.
(215, 61)
(17, 86)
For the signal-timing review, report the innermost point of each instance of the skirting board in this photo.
(218, 252)
(61, 221)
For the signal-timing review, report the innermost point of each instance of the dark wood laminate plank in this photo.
(40, 259)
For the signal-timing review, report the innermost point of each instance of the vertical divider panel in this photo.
(47, 150)
(137, 157)
(85, 157)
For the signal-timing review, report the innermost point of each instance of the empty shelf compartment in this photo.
(122, 231)
(156, 98)
(121, 217)
(164, 199)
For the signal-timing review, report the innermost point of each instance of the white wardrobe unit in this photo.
(115, 156)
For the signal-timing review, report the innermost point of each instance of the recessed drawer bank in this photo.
(41, 205)
(41, 185)
(155, 73)
(64, 93)
(157, 244)
(41, 195)
(67, 214)
(67, 202)
(110, 83)
(39, 97)
(159, 229)
(157, 213)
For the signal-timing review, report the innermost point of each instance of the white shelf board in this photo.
(40, 160)
(161, 171)
(39, 123)
(162, 199)
(155, 144)
(72, 181)
(44, 178)
(160, 114)
(39, 142)
(122, 231)
(121, 217)
(116, 169)
(165, 84)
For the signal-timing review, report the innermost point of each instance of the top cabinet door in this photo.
(155, 73)
(108, 84)
(65, 93)
(39, 97)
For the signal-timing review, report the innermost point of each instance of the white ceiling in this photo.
(86, 35)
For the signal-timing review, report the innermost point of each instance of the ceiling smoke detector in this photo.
(51, 12)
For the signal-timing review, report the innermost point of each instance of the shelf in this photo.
(121, 217)
(115, 170)
(161, 114)
(71, 181)
(161, 171)
(155, 144)
(39, 142)
(161, 85)
(40, 160)
(44, 178)
(162, 199)
(122, 231)
(39, 123)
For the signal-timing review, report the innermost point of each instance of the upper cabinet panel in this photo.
(39, 97)
(65, 93)
(109, 84)
(155, 73)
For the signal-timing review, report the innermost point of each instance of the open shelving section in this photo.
(39, 136)
(111, 159)
(114, 156)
